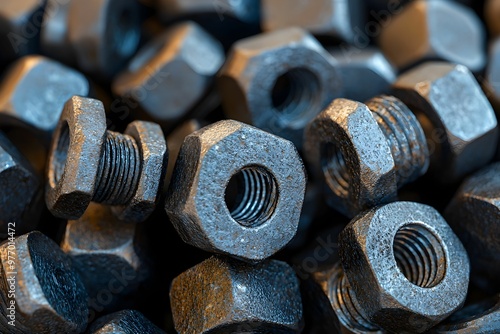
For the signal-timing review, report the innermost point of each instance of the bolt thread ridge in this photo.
(405, 136)
(118, 171)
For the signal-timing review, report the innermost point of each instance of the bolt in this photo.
(89, 163)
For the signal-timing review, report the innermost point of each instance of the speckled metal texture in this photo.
(124, 322)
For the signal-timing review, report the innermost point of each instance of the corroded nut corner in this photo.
(74, 157)
(236, 190)
(49, 294)
(406, 265)
(346, 146)
(458, 120)
(262, 298)
(278, 81)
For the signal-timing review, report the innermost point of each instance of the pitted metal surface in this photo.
(124, 322)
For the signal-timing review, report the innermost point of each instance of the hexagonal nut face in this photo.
(405, 265)
(459, 122)
(124, 322)
(325, 17)
(172, 73)
(491, 13)
(104, 34)
(427, 30)
(236, 190)
(473, 213)
(34, 92)
(244, 10)
(49, 294)
(345, 145)
(261, 298)
(154, 159)
(18, 186)
(74, 157)
(278, 81)
(365, 72)
(483, 318)
(492, 76)
(102, 248)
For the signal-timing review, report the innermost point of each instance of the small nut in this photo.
(278, 81)
(264, 298)
(124, 322)
(172, 73)
(334, 18)
(459, 122)
(236, 190)
(34, 91)
(427, 30)
(405, 265)
(49, 296)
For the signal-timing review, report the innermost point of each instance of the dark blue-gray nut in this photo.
(40, 281)
(492, 75)
(34, 90)
(169, 76)
(124, 322)
(429, 30)
(474, 214)
(88, 163)
(405, 265)
(222, 295)
(278, 81)
(236, 190)
(459, 122)
(479, 318)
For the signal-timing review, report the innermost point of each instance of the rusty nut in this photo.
(491, 13)
(236, 190)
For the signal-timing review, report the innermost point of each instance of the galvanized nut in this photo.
(406, 267)
(236, 190)
(88, 163)
(124, 322)
(278, 81)
(228, 296)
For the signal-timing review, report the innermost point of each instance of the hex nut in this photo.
(19, 187)
(339, 19)
(104, 34)
(491, 13)
(34, 91)
(459, 122)
(360, 172)
(236, 190)
(264, 298)
(405, 265)
(49, 295)
(124, 322)
(473, 214)
(429, 30)
(106, 252)
(54, 41)
(491, 84)
(278, 81)
(173, 72)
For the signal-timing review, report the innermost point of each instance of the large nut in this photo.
(236, 190)
(106, 252)
(124, 322)
(48, 294)
(459, 122)
(473, 214)
(434, 30)
(34, 91)
(264, 298)
(172, 73)
(340, 19)
(406, 266)
(491, 13)
(103, 34)
(278, 81)
(19, 187)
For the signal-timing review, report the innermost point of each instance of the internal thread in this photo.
(345, 304)
(419, 255)
(256, 196)
(335, 170)
(118, 171)
(405, 136)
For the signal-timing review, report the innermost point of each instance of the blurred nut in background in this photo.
(491, 14)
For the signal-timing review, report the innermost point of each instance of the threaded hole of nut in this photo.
(296, 96)
(419, 255)
(61, 153)
(335, 170)
(251, 196)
